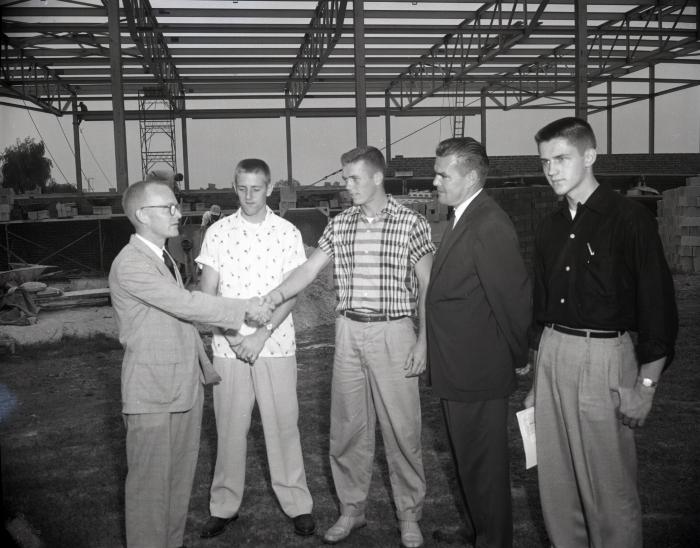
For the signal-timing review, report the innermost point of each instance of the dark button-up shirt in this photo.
(605, 269)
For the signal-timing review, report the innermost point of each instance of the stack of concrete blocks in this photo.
(7, 198)
(679, 226)
(288, 198)
(101, 210)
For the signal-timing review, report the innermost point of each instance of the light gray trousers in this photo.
(370, 384)
(272, 382)
(161, 455)
(586, 457)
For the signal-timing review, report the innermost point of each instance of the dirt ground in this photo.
(315, 307)
(63, 457)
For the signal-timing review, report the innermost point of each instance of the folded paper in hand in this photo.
(526, 422)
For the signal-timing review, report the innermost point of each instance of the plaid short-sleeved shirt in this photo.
(404, 240)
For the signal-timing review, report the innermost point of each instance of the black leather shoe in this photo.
(215, 526)
(304, 525)
(454, 536)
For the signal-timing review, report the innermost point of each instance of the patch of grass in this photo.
(63, 461)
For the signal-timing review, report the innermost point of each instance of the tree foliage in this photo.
(24, 166)
(58, 188)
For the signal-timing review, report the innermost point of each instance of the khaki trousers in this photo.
(586, 457)
(272, 382)
(369, 383)
(161, 455)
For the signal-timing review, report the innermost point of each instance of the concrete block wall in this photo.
(667, 163)
(679, 226)
(526, 206)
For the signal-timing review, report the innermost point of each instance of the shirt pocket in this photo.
(599, 278)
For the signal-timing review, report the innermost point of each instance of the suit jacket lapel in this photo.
(456, 233)
(151, 256)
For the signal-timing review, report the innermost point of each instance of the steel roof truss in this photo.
(22, 75)
(150, 41)
(326, 30)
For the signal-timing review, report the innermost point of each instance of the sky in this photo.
(215, 146)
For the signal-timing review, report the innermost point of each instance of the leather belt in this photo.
(359, 316)
(593, 334)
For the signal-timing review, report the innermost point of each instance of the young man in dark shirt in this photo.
(600, 274)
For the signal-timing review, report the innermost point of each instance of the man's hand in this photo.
(416, 360)
(250, 346)
(529, 400)
(635, 404)
(274, 298)
(258, 311)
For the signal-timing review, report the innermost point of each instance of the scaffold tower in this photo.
(157, 130)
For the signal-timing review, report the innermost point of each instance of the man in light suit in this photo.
(164, 367)
(478, 309)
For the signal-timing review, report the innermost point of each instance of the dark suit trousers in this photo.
(479, 438)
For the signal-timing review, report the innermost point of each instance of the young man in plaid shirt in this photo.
(382, 254)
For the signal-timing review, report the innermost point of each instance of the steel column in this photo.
(581, 47)
(117, 96)
(76, 145)
(609, 115)
(652, 108)
(387, 126)
(288, 135)
(358, 19)
(185, 157)
(483, 118)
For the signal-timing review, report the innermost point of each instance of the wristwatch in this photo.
(648, 383)
(270, 328)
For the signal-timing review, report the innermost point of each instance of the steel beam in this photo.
(552, 68)
(609, 114)
(149, 40)
(76, 144)
(185, 149)
(387, 127)
(464, 49)
(483, 117)
(117, 96)
(581, 63)
(288, 143)
(25, 78)
(349, 112)
(358, 18)
(326, 30)
(652, 107)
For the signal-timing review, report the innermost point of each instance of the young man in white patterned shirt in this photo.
(249, 253)
(382, 254)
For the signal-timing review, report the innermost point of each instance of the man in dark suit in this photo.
(478, 310)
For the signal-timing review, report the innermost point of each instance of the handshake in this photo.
(259, 309)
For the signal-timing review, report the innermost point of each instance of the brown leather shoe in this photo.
(215, 526)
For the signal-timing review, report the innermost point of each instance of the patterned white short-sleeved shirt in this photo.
(251, 260)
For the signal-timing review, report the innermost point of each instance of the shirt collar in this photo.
(153, 247)
(391, 208)
(600, 201)
(459, 210)
(238, 218)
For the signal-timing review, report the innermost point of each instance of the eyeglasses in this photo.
(172, 208)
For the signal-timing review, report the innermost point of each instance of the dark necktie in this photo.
(446, 233)
(169, 263)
